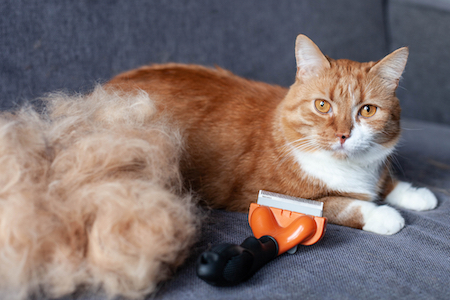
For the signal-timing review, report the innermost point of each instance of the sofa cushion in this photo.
(423, 26)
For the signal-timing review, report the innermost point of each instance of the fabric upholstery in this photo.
(423, 26)
(69, 45)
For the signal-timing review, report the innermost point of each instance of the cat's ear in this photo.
(391, 67)
(310, 60)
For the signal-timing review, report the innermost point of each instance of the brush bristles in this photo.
(300, 205)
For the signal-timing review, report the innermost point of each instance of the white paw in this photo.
(383, 220)
(406, 196)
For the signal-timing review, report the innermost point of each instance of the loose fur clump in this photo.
(90, 196)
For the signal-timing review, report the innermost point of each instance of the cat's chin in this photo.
(347, 155)
(342, 152)
(366, 156)
(340, 155)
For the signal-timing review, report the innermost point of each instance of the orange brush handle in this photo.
(276, 231)
(298, 229)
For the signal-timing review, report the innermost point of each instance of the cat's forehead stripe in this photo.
(348, 87)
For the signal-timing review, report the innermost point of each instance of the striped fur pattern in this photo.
(242, 135)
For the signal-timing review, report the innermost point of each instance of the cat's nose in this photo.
(343, 137)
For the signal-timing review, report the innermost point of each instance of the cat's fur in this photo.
(242, 135)
(91, 192)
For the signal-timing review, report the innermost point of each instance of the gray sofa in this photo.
(71, 45)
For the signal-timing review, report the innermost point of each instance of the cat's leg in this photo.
(364, 215)
(406, 196)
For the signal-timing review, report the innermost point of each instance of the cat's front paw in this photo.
(406, 196)
(383, 220)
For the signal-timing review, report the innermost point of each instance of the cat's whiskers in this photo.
(310, 146)
(390, 169)
(306, 147)
(289, 145)
(306, 144)
(312, 143)
(395, 162)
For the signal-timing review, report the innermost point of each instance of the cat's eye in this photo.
(368, 111)
(322, 106)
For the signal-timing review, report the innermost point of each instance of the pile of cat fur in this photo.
(91, 197)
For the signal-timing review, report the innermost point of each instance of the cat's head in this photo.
(341, 107)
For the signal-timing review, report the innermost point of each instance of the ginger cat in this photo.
(329, 137)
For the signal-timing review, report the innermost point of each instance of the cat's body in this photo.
(234, 144)
(242, 136)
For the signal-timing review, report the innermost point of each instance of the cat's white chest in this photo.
(340, 175)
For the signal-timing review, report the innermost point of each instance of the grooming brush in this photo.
(279, 223)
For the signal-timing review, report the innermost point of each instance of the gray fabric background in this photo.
(69, 45)
(425, 29)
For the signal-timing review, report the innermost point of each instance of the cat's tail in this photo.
(91, 195)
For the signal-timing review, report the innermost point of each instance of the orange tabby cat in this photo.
(328, 138)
